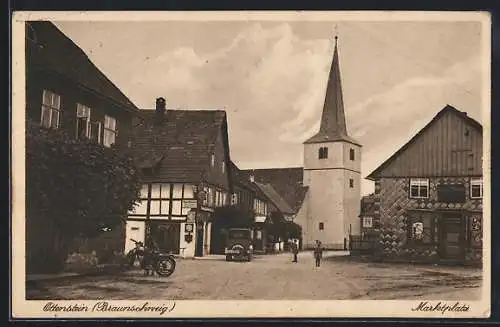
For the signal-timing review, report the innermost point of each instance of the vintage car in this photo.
(239, 244)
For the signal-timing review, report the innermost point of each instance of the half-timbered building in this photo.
(184, 157)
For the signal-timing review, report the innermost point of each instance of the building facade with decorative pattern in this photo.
(428, 202)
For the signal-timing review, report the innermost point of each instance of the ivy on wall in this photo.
(74, 186)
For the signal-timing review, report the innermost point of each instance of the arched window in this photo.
(323, 152)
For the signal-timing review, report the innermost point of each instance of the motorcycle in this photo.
(162, 263)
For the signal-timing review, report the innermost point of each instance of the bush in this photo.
(72, 188)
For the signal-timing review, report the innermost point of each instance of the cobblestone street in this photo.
(273, 277)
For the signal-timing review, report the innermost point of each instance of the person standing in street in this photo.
(295, 250)
(318, 253)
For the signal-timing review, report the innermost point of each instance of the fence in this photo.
(359, 245)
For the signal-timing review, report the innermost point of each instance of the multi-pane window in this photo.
(351, 154)
(321, 226)
(109, 130)
(51, 109)
(367, 222)
(419, 188)
(210, 195)
(235, 198)
(212, 160)
(82, 121)
(260, 207)
(351, 182)
(323, 152)
(476, 188)
(160, 199)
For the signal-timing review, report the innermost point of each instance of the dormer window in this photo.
(323, 152)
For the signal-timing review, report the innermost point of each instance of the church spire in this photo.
(333, 124)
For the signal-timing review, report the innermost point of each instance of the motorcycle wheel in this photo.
(165, 267)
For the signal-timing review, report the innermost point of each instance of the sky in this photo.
(270, 77)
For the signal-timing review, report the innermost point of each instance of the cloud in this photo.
(272, 84)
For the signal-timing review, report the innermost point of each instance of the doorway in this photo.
(166, 236)
(451, 240)
(200, 233)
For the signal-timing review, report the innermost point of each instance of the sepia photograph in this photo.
(226, 164)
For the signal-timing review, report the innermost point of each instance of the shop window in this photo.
(476, 188)
(451, 193)
(421, 228)
(419, 188)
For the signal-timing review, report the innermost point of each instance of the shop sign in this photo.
(189, 204)
(191, 216)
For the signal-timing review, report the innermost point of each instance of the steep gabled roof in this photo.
(333, 126)
(239, 178)
(275, 198)
(447, 109)
(287, 182)
(180, 141)
(49, 49)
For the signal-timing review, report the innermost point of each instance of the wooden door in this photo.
(452, 237)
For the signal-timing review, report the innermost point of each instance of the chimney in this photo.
(160, 106)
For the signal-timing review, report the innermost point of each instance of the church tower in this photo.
(332, 166)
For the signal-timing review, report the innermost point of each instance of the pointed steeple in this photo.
(333, 124)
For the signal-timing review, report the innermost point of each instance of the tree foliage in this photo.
(76, 185)
(282, 228)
